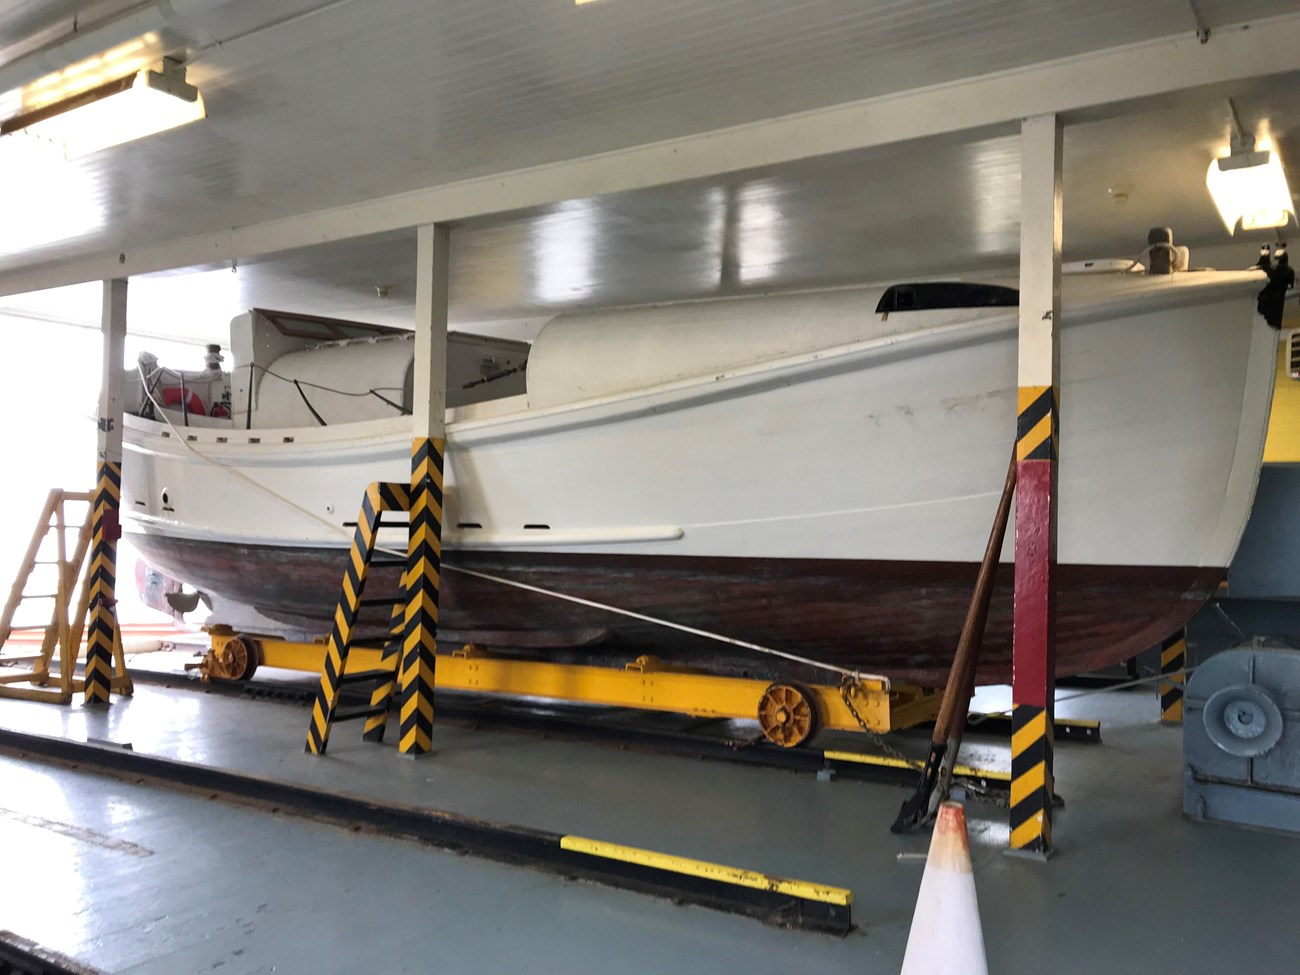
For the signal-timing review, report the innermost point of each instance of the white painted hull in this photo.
(889, 450)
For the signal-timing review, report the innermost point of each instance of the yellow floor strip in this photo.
(965, 771)
(709, 871)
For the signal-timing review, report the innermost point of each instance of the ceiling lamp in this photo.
(119, 111)
(1249, 185)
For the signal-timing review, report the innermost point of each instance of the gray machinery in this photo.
(1241, 739)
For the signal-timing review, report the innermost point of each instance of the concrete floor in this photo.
(133, 879)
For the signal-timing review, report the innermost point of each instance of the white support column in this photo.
(1033, 666)
(113, 323)
(424, 552)
(432, 287)
(102, 632)
(1040, 250)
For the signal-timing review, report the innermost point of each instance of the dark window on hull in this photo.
(946, 294)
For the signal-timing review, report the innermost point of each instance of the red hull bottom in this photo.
(898, 618)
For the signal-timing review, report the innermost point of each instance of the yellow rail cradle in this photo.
(789, 713)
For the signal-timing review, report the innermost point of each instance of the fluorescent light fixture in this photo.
(145, 51)
(119, 111)
(1250, 188)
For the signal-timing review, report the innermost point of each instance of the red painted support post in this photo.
(1033, 671)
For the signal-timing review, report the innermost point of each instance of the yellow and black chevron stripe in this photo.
(101, 633)
(1173, 663)
(381, 698)
(423, 568)
(1031, 779)
(379, 498)
(1036, 423)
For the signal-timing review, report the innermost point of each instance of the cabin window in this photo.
(931, 295)
(324, 329)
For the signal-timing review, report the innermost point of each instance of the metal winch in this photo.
(1241, 739)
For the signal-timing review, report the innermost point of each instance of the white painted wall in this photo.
(47, 410)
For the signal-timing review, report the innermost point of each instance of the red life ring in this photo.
(172, 397)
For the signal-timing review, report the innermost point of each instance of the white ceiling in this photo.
(372, 97)
(364, 98)
(22, 18)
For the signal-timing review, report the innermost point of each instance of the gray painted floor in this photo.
(157, 882)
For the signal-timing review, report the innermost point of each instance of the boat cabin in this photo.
(293, 370)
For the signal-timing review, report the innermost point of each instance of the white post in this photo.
(432, 286)
(1040, 250)
(424, 551)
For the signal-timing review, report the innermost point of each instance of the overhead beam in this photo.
(1083, 83)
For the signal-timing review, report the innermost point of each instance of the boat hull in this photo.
(898, 617)
(830, 503)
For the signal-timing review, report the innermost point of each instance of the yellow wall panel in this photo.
(1283, 443)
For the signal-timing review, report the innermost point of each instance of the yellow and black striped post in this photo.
(102, 631)
(1033, 672)
(381, 698)
(1033, 683)
(345, 617)
(1173, 664)
(423, 568)
(428, 444)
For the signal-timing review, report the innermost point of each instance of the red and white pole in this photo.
(1033, 672)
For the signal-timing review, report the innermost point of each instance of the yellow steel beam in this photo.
(644, 684)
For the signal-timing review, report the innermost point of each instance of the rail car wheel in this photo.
(787, 713)
(236, 660)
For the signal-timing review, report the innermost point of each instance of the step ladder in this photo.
(380, 498)
(71, 604)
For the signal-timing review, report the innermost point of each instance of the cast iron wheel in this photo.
(787, 713)
(236, 660)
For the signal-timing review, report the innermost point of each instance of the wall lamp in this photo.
(1249, 185)
(122, 110)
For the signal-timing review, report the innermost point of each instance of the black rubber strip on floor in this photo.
(504, 842)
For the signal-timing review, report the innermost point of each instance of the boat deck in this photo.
(171, 883)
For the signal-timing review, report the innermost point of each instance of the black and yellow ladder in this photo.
(380, 497)
(67, 621)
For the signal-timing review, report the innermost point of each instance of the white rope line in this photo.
(1186, 672)
(618, 611)
(1154, 678)
(694, 631)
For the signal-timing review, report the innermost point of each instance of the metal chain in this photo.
(847, 685)
(989, 795)
(993, 797)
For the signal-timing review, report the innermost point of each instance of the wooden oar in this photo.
(936, 776)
